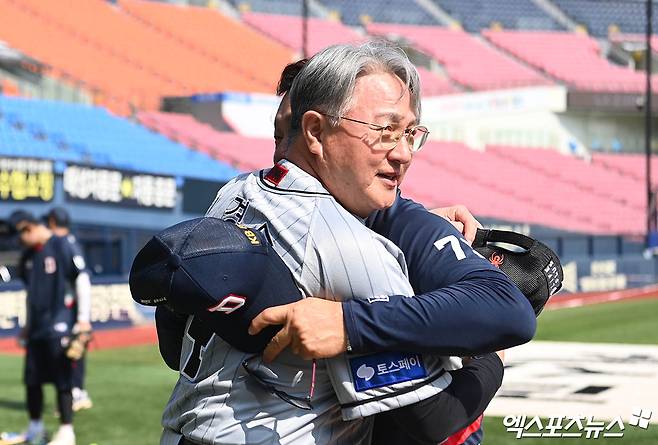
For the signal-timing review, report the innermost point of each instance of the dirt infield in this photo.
(103, 339)
(583, 299)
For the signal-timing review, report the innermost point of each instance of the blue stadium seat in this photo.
(627, 15)
(285, 7)
(18, 142)
(475, 15)
(90, 134)
(394, 11)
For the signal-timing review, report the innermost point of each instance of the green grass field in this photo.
(619, 322)
(130, 386)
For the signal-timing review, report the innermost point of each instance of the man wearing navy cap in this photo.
(53, 279)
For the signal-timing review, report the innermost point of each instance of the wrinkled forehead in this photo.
(386, 95)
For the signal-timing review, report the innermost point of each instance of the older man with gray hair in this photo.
(354, 128)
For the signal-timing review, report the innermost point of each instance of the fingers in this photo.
(445, 212)
(470, 224)
(459, 226)
(276, 315)
(469, 232)
(278, 343)
(271, 316)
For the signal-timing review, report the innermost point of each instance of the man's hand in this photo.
(312, 327)
(81, 336)
(461, 218)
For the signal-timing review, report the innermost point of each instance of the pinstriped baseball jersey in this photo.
(331, 254)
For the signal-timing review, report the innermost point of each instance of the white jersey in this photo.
(332, 254)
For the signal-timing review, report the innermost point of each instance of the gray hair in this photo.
(327, 81)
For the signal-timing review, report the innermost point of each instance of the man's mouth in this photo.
(390, 178)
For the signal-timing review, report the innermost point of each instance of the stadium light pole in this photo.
(304, 28)
(651, 209)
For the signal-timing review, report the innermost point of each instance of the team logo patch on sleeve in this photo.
(386, 368)
(79, 262)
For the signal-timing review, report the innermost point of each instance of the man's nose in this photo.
(402, 152)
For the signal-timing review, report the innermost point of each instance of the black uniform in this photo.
(49, 273)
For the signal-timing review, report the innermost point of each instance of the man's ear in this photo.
(312, 128)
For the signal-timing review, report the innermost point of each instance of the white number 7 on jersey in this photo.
(454, 243)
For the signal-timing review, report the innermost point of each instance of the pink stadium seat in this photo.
(589, 176)
(242, 152)
(630, 165)
(611, 199)
(514, 184)
(467, 60)
(433, 85)
(570, 57)
(287, 29)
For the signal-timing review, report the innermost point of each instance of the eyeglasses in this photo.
(296, 401)
(388, 139)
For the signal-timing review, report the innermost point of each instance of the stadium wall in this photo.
(112, 220)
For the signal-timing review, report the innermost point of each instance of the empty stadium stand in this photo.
(204, 30)
(395, 11)
(433, 84)
(531, 185)
(92, 135)
(138, 58)
(287, 7)
(287, 29)
(494, 184)
(631, 165)
(466, 59)
(510, 14)
(243, 152)
(598, 17)
(16, 140)
(573, 58)
(613, 201)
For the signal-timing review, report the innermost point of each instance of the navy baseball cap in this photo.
(59, 215)
(223, 273)
(18, 217)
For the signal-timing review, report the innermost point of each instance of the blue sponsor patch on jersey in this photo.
(386, 368)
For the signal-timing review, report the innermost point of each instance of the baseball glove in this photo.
(531, 265)
(78, 344)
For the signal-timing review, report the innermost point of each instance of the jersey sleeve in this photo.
(71, 257)
(463, 306)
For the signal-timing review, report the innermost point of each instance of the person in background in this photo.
(58, 221)
(54, 278)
